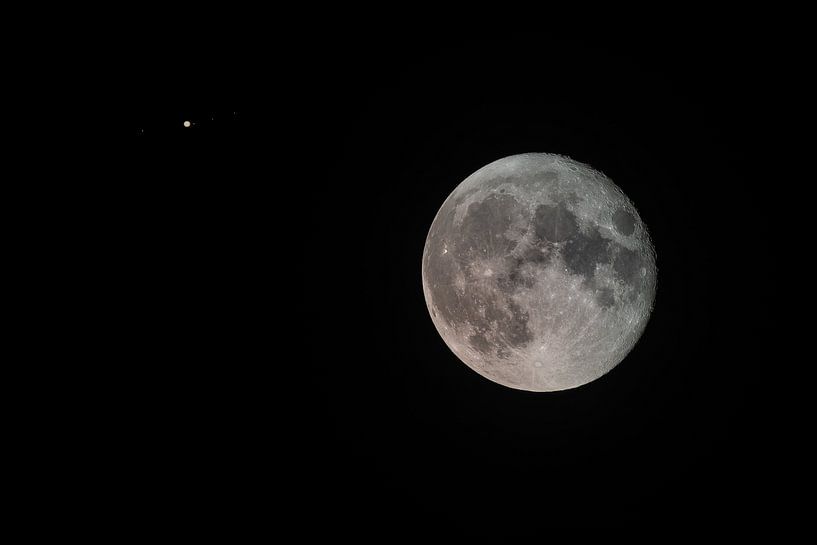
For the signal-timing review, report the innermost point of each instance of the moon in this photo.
(538, 273)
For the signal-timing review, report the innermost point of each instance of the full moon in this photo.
(538, 273)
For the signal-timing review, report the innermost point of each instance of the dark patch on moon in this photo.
(508, 320)
(520, 268)
(583, 252)
(605, 298)
(486, 222)
(627, 264)
(485, 308)
(479, 343)
(493, 312)
(554, 223)
(452, 248)
(624, 222)
(516, 330)
(536, 256)
(515, 278)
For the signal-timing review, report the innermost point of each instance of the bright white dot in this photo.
(186, 123)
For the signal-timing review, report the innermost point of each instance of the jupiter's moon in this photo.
(538, 273)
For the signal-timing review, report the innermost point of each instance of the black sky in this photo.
(672, 435)
(311, 192)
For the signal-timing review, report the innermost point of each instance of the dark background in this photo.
(311, 210)
(674, 436)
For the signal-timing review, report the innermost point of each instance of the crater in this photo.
(624, 222)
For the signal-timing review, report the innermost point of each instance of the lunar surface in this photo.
(538, 273)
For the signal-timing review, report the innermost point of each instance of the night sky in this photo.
(671, 437)
(290, 229)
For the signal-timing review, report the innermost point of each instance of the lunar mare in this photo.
(538, 272)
